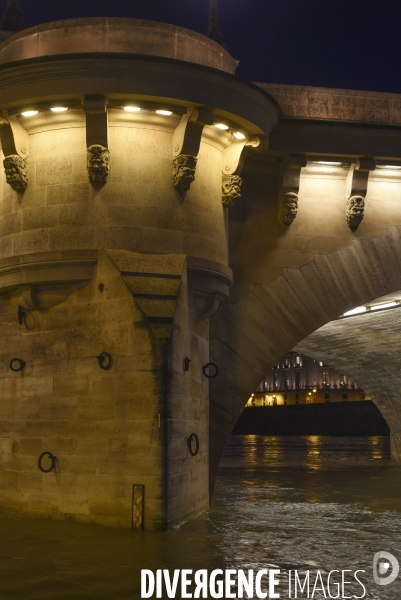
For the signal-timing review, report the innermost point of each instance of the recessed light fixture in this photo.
(221, 126)
(389, 167)
(355, 311)
(132, 108)
(167, 113)
(59, 109)
(239, 135)
(29, 113)
(328, 162)
(384, 305)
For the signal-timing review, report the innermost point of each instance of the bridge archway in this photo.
(297, 309)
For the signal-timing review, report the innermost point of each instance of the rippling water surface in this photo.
(293, 502)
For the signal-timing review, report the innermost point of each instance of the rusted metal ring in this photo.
(193, 438)
(52, 458)
(21, 314)
(206, 374)
(20, 362)
(106, 366)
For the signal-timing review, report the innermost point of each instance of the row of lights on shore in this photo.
(135, 109)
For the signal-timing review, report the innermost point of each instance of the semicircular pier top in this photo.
(116, 35)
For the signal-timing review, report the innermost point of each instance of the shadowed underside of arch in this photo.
(368, 348)
(264, 321)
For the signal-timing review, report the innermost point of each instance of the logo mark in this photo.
(382, 561)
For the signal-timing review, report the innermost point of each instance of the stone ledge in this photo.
(330, 104)
(108, 34)
(46, 279)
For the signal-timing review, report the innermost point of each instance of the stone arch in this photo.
(367, 347)
(263, 321)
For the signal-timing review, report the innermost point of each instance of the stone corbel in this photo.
(98, 155)
(288, 198)
(233, 162)
(356, 187)
(41, 281)
(15, 144)
(210, 283)
(186, 144)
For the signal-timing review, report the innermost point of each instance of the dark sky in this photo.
(335, 43)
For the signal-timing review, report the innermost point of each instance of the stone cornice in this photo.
(112, 34)
(144, 76)
(338, 105)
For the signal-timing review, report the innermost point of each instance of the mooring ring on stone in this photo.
(21, 314)
(52, 458)
(193, 438)
(21, 364)
(205, 372)
(105, 365)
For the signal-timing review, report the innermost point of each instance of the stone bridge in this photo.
(158, 214)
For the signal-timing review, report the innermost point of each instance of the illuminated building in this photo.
(299, 379)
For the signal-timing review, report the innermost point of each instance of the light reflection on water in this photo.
(295, 502)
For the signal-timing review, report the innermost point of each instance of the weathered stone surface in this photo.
(269, 313)
(184, 169)
(307, 102)
(133, 269)
(354, 212)
(377, 337)
(288, 208)
(132, 36)
(16, 171)
(98, 164)
(231, 189)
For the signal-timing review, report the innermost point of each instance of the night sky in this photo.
(334, 43)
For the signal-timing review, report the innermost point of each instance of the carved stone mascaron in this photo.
(16, 171)
(231, 189)
(98, 163)
(184, 168)
(355, 211)
(288, 208)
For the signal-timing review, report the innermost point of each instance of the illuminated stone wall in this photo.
(291, 280)
(105, 247)
(107, 428)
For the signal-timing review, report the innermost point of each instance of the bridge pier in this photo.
(122, 275)
(113, 257)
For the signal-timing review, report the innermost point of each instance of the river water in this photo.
(295, 503)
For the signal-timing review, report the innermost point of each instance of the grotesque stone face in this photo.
(355, 211)
(288, 208)
(98, 164)
(16, 170)
(231, 189)
(184, 168)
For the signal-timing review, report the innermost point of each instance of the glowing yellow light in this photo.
(164, 112)
(328, 162)
(29, 113)
(393, 167)
(132, 108)
(239, 135)
(385, 305)
(355, 311)
(314, 391)
(59, 109)
(221, 126)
